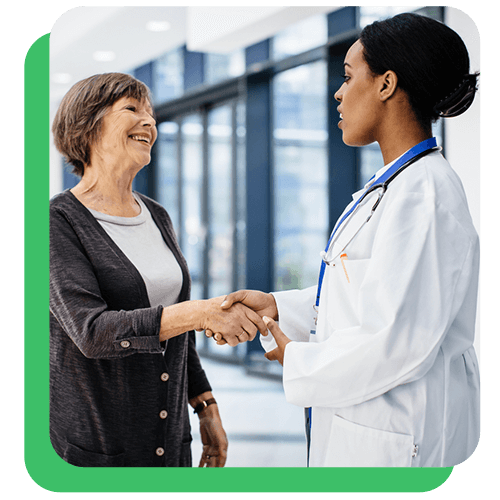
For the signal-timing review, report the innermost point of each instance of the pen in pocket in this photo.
(343, 258)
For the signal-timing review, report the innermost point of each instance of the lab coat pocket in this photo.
(344, 284)
(354, 271)
(355, 445)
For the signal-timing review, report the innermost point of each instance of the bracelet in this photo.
(200, 407)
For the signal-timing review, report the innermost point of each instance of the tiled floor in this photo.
(263, 429)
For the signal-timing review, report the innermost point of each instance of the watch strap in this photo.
(201, 406)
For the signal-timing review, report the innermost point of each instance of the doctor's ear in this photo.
(388, 85)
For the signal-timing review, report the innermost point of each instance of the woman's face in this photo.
(128, 132)
(359, 100)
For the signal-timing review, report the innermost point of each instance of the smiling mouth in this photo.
(140, 138)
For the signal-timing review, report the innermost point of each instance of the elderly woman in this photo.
(123, 362)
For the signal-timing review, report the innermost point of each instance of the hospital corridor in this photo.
(233, 140)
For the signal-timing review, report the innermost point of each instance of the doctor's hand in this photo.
(281, 339)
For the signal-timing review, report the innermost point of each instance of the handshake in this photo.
(237, 317)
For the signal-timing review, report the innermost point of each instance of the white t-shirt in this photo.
(141, 241)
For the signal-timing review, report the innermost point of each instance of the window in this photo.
(193, 232)
(220, 188)
(168, 79)
(224, 66)
(241, 199)
(300, 174)
(370, 14)
(201, 181)
(300, 37)
(168, 170)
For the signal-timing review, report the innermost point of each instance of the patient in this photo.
(123, 362)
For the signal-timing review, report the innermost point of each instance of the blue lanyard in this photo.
(420, 149)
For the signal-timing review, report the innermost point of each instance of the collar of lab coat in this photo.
(379, 172)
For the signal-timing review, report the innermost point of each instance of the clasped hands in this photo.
(240, 315)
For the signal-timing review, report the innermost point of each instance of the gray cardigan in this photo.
(110, 383)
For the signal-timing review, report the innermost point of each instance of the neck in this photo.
(399, 129)
(396, 144)
(108, 190)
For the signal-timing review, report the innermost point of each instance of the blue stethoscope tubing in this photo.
(411, 156)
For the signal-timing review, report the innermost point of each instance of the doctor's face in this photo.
(359, 100)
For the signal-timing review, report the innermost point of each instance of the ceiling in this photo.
(120, 38)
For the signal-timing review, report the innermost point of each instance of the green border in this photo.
(45, 467)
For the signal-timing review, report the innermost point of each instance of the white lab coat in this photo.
(391, 373)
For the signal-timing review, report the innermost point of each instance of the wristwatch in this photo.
(201, 406)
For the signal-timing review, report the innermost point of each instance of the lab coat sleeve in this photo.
(295, 315)
(415, 281)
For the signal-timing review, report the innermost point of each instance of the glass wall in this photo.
(193, 231)
(241, 200)
(300, 174)
(201, 181)
(220, 67)
(369, 14)
(300, 37)
(220, 175)
(168, 76)
(167, 170)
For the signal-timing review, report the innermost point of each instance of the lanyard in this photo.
(411, 155)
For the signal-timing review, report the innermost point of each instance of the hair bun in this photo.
(460, 99)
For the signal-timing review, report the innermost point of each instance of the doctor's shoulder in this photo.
(451, 200)
(434, 177)
(432, 186)
(449, 191)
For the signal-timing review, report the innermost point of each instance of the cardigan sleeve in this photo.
(77, 303)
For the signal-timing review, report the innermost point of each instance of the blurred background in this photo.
(249, 162)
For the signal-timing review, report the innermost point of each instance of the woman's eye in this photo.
(346, 77)
(131, 108)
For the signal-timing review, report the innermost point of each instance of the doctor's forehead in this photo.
(354, 54)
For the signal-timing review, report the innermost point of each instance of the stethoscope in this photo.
(324, 253)
(381, 183)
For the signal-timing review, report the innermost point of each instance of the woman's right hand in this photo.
(235, 324)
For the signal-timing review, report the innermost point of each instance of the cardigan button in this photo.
(125, 344)
(160, 451)
(165, 376)
(163, 414)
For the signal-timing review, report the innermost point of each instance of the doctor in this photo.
(387, 364)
